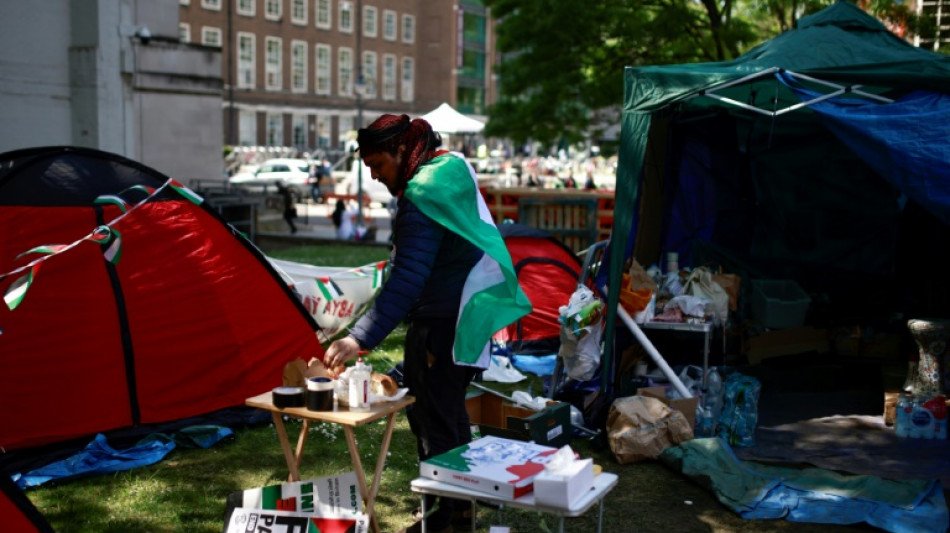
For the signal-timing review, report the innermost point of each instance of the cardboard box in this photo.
(275, 521)
(562, 490)
(502, 467)
(329, 496)
(498, 417)
(687, 406)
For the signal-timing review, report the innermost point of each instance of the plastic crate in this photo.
(779, 303)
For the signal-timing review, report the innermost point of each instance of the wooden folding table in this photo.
(349, 420)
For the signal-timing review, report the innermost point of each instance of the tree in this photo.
(563, 60)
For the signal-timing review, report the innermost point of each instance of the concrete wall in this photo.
(34, 75)
(77, 72)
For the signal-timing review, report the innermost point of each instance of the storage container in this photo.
(779, 303)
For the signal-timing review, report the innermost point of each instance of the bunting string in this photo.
(105, 235)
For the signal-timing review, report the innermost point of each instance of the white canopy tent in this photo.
(445, 119)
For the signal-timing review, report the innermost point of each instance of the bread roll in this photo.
(383, 385)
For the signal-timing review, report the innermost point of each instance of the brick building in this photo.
(299, 73)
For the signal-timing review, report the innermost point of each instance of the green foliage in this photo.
(563, 60)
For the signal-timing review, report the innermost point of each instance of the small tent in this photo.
(548, 273)
(128, 301)
(445, 119)
(800, 159)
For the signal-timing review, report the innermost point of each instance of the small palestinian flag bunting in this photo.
(14, 294)
(189, 194)
(144, 188)
(112, 199)
(49, 249)
(112, 237)
(328, 288)
(380, 271)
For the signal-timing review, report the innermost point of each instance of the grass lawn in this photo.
(186, 492)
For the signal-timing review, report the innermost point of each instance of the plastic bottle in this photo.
(938, 408)
(902, 416)
(358, 386)
(713, 398)
(921, 421)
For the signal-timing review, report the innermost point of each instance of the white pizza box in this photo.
(245, 520)
(494, 465)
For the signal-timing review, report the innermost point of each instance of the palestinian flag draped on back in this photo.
(445, 190)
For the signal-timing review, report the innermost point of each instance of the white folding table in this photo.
(603, 483)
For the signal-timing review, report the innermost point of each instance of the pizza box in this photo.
(502, 467)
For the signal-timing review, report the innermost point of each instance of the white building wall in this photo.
(78, 72)
(34, 75)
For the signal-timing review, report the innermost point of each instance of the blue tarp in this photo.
(100, 458)
(904, 141)
(760, 492)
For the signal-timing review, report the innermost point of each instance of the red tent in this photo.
(126, 302)
(548, 273)
(18, 513)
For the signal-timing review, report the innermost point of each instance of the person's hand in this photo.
(341, 351)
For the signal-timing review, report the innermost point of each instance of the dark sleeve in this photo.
(416, 243)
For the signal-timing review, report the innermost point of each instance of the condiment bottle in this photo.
(360, 377)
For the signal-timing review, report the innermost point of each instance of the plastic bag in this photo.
(581, 356)
(740, 410)
(700, 284)
(639, 427)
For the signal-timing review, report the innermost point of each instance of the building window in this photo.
(275, 129)
(322, 70)
(370, 22)
(298, 11)
(473, 65)
(408, 29)
(184, 32)
(324, 14)
(298, 65)
(344, 67)
(246, 59)
(389, 25)
(346, 126)
(299, 131)
(389, 77)
(273, 9)
(346, 16)
(273, 64)
(323, 131)
(246, 7)
(406, 92)
(211, 36)
(369, 74)
(247, 128)
(214, 5)
(470, 100)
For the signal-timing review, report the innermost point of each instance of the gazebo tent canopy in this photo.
(718, 154)
(445, 119)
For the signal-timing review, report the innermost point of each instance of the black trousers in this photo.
(438, 418)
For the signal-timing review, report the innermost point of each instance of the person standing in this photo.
(441, 245)
(290, 209)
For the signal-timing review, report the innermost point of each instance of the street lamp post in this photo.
(359, 87)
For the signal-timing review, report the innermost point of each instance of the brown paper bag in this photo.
(639, 427)
(297, 372)
(729, 283)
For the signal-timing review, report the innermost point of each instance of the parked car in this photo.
(376, 191)
(294, 173)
